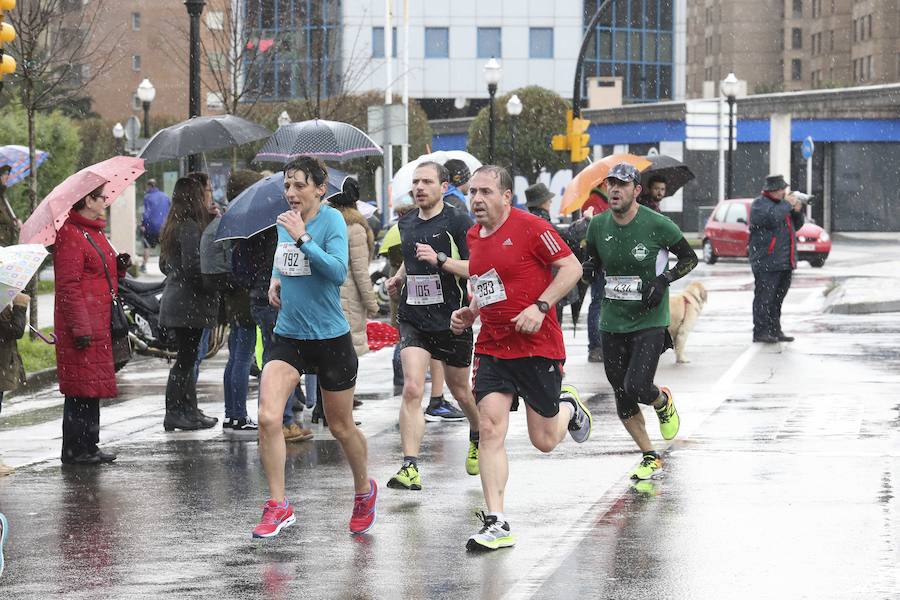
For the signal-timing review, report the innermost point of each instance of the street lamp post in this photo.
(284, 119)
(194, 9)
(146, 93)
(119, 133)
(492, 73)
(514, 108)
(729, 89)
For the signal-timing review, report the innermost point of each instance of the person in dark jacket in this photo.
(81, 319)
(156, 207)
(9, 224)
(187, 307)
(774, 219)
(458, 187)
(12, 373)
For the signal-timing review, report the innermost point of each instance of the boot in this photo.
(192, 409)
(319, 413)
(176, 416)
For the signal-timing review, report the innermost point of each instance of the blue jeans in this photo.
(241, 351)
(594, 311)
(265, 317)
(202, 349)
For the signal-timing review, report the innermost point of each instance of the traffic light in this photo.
(7, 34)
(579, 139)
(575, 139)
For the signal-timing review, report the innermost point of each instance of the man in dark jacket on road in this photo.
(774, 221)
(156, 207)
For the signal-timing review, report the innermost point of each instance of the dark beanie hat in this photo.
(5, 169)
(349, 193)
(240, 181)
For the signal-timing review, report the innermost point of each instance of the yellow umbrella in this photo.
(580, 187)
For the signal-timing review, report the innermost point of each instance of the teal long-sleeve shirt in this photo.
(311, 279)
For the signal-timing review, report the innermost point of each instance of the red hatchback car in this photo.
(727, 234)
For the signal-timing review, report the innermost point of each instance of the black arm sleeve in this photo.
(687, 260)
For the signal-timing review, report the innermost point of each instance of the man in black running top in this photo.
(432, 282)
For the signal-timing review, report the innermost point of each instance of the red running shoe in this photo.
(274, 518)
(364, 510)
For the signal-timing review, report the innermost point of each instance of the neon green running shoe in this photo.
(668, 417)
(582, 423)
(407, 478)
(650, 468)
(472, 459)
(491, 536)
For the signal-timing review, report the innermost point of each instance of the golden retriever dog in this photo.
(684, 308)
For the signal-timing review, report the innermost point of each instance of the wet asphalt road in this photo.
(781, 484)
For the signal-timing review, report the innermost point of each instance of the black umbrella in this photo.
(201, 134)
(675, 172)
(328, 140)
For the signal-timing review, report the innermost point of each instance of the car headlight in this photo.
(824, 237)
(801, 239)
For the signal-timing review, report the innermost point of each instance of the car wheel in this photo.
(709, 255)
(818, 261)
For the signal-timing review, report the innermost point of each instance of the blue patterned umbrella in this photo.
(17, 158)
(328, 140)
(256, 208)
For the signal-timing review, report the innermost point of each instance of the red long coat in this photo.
(83, 305)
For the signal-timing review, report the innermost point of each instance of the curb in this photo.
(36, 381)
(846, 299)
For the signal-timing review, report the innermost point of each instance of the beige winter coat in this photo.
(357, 294)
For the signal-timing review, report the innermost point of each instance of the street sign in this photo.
(132, 128)
(706, 125)
(807, 148)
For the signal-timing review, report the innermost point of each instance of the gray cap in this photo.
(625, 172)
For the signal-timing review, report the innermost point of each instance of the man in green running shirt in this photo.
(631, 243)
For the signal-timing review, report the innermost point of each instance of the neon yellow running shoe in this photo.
(472, 459)
(491, 536)
(650, 468)
(407, 478)
(668, 417)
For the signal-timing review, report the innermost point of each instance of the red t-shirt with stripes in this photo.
(521, 251)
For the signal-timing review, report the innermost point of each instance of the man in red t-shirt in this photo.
(520, 350)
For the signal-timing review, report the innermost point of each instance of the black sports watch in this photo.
(542, 306)
(305, 237)
(441, 259)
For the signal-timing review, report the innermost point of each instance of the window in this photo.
(437, 42)
(798, 9)
(135, 21)
(736, 211)
(870, 72)
(215, 20)
(378, 42)
(135, 102)
(719, 215)
(796, 38)
(831, 40)
(540, 42)
(489, 42)
(216, 61)
(869, 19)
(796, 69)
(136, 62)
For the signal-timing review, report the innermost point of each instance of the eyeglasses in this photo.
(101, 197)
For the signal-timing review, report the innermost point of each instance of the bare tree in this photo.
(59, 52)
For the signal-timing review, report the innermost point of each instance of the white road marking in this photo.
(557, 554)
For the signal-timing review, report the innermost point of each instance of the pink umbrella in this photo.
(117, 173)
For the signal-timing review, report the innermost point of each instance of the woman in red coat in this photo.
(84, 360)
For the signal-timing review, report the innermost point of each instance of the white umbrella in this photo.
(365, 208)
(401, 184)
(18, 264)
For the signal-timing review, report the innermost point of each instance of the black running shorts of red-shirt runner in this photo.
(522, 251)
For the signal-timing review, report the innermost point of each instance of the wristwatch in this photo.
(542, 306)
(441, 259)
(305, 237)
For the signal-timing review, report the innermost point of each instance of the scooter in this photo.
(141, 303)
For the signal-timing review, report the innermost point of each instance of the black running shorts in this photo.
(334, 360)
(454, 350)
(535, 379)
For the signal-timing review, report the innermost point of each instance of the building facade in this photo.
(296, 49)
(790, 45)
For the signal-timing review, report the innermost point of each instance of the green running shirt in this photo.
(632, 255)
